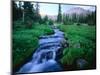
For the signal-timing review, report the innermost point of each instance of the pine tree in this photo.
(59, 17)
(37, 15)
(15, 11)
(45, 19)
(91, 18)
(74, 17)
(64, 18)
(20, 12)
(28, 14)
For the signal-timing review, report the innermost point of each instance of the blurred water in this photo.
(44, 59)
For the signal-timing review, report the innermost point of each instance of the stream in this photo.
(46, 56)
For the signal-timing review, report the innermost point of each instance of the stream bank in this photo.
(46, 56)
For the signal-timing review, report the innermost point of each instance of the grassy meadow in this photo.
(82, 44)
(25, 41)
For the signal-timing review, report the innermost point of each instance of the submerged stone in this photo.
(81, 63)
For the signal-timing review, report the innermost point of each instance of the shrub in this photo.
(18, 24)
(50, 22)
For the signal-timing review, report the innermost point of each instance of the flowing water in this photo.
(47, 54)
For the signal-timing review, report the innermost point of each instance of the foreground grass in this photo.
(25, 41)
(82, 44)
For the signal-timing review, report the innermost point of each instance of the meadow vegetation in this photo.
(25, 41)
(82, 44)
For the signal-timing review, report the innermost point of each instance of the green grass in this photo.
(82, 43)
(25, 41)
(71, 54)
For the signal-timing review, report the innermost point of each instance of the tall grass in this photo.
(25, 42)
(82, 44)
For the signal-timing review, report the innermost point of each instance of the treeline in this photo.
(28, 13)
(89, 18)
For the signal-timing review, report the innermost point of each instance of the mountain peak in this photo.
(76, 10)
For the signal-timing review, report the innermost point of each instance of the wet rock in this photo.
(63, 42)
(81, 63)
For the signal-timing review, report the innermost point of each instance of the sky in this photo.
(52, 9)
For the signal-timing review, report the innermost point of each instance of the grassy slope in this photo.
(25, 41)
(82, 43)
